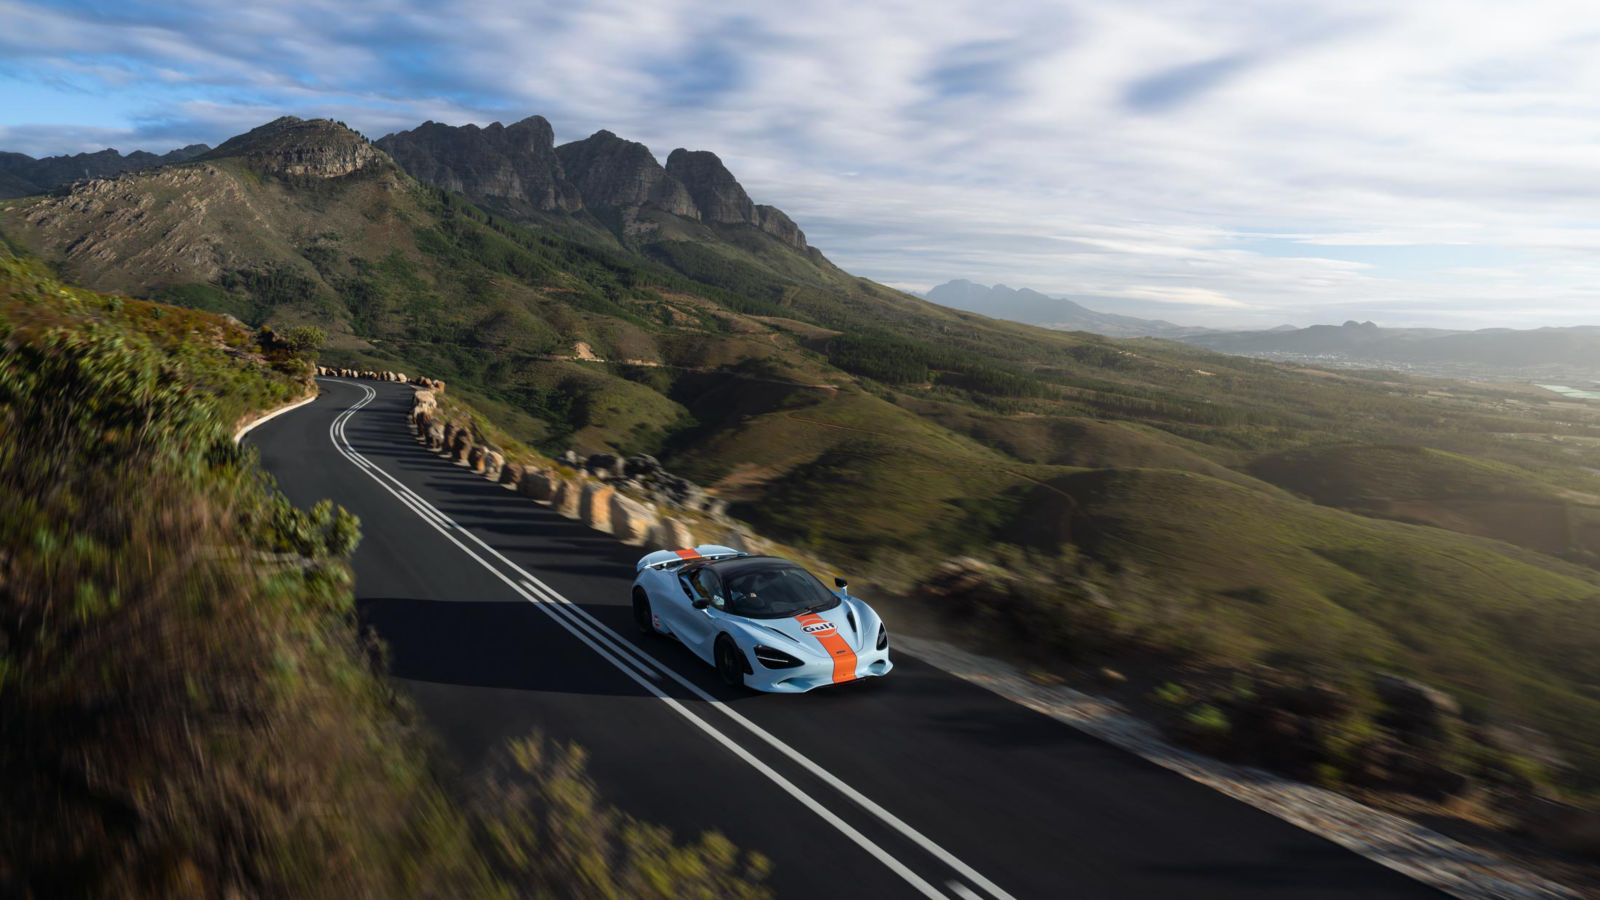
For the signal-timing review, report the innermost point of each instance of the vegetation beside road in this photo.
(186, 707)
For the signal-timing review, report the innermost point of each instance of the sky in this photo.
(1233, 163)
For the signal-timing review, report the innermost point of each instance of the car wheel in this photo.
(730, 662)
(643, 618)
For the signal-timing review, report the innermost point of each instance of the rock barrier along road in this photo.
(502, 617)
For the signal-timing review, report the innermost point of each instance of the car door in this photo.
(697, 628)
(674, 603)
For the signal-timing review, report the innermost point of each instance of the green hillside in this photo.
(1505, 627)
(1447, 490)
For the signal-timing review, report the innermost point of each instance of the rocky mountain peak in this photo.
(320, 148)
(515, 164)
(713, 188)
(518, 169)
(612, 172)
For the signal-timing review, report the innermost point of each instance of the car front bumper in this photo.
(815, 673)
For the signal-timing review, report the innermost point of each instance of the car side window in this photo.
(707, 585)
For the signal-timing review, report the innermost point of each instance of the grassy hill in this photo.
(1447, 490)
(1320, 588)
(1313, 517)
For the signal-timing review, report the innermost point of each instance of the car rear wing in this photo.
(670, 559)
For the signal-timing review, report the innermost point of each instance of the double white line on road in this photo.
(647, 672)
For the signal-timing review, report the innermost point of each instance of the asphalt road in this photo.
(503, 618)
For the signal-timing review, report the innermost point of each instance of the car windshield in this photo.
(773, 590)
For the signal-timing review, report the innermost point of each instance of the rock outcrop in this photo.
(316, 148)
(614, 173)
(713, 188)
(514, 166)
(777, 223)
(518, 168)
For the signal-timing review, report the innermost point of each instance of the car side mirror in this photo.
(701, 603)
(840, 583)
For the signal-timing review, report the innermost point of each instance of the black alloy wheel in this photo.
(730, 662)
(643, 619)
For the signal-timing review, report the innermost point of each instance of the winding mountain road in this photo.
(503, 617)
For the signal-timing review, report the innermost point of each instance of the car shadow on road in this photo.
(517, 645)
(491, 644)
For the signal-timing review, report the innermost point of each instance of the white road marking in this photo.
(445, 526)
(644, 668)
(962, 891)
(239, 435)
(588, 623)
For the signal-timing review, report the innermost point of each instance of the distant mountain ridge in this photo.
(228, 231)
(23, 176)
(1501, 350)
(1033, 308)
(515, 169)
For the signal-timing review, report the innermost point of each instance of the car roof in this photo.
(736, 565)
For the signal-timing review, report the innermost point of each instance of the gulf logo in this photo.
(817, 627)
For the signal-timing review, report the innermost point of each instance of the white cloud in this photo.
(1139, 154)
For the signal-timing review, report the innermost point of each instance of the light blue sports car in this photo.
(763, 622)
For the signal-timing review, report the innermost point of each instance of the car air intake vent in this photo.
(855, 629)
(774, 659)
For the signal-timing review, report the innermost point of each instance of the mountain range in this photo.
(518, 170)
(690, 214)
(22, 175)
(1034, 308)
(1501, 351)
(604, 191)
(602, 184)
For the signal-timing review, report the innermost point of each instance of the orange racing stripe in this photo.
(687, 554)
(844, 659)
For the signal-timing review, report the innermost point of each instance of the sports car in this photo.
(763, 622)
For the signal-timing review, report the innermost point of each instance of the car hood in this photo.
(805, 629)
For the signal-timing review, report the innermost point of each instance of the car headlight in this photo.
(883, 638)
(774, 659)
